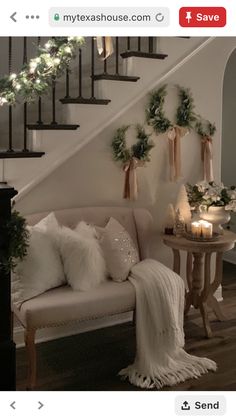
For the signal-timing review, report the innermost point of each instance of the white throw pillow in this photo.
(41, 269)
(119, 250)
(86, 230)
(84, 264)
(50, 225)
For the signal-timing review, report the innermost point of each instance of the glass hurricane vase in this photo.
(215, 215)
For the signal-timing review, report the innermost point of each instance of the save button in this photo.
(202, 17)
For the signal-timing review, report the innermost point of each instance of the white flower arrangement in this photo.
(211, 194)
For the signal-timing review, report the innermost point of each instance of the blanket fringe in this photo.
(193, 367)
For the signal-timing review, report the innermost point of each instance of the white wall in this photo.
(92, 178)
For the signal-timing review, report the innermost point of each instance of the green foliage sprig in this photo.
(155, 114)
(185, 115)
(205, 128)
(34, 79)
(17, 235)
(140, 150)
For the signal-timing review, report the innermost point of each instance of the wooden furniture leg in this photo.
(206, 323)
(31, 351)
(188, 296)
(176, 267)
(211, 300)
(215, 306)
(198, 278)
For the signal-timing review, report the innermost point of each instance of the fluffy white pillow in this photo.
(86, 230)
(82, 257)
(49, 223)
(40, 271)
(119, 250)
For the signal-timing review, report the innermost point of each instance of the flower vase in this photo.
(215, 215)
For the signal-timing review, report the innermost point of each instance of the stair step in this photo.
(115, 77)
(155, 56)
(44, 127)
(20, 154)
(85, 101)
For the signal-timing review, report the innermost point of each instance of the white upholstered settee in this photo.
(62, 305)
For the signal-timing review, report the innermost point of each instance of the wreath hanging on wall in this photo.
(185, 117)
(131, 158)
(206, 130)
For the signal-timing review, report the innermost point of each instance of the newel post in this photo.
(7, 346)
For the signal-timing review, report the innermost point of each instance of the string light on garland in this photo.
(35, 77)
(132, 157)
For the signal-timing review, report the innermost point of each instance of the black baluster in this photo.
(25, 149)
(39, 121)
(80, 74)
(7, 345)
(117, 55)
(53, 101)
(104, 55)
(128, 43)
(139, 43)
(10, 149)
(150, 44)
(92, 68)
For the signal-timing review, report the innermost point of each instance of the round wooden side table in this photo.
(198, 271)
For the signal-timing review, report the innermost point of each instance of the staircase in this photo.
(93, 93)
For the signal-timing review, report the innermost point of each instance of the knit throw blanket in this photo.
(160, 358)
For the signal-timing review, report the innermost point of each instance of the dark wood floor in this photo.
(90, 361)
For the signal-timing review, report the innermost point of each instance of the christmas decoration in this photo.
(170, 219)
(35, 77)
(155, 114)
(132, 158)
(105, 46)
(185, 117)
(183, 205)
(206, 130)
(179, 227)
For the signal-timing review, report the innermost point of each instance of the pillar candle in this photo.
(206, 229)
(196, 229)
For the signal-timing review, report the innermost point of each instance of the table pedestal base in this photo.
(201, 290)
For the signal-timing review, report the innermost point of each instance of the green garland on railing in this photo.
(35, 77)
(155, 114)
(140, 150)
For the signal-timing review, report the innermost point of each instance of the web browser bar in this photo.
(113, 16)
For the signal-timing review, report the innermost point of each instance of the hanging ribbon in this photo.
(131, 182)
(174, 136)
(207, 156)
(105, 43)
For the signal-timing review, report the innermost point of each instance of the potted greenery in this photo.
(15, 230)
(213, 202)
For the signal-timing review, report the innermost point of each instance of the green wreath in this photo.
(140, 150)
(34, 79)
(155, 114)
(205, 128)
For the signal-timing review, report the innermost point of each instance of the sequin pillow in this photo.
(119, 250)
